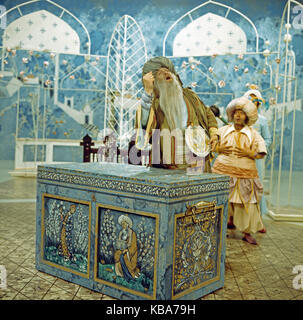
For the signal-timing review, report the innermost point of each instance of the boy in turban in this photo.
(239, 148)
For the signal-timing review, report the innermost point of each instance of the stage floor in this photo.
(252, 272)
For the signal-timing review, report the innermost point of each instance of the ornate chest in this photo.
(132, 232)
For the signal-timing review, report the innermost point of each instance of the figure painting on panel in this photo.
(127, 250)
(126, 253)
(66, 233)
(65, 246)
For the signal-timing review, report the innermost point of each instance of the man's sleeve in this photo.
(142, 137)
(212, 122)
(211, 119)
(146, 102)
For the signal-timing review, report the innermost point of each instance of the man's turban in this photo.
(154, 64)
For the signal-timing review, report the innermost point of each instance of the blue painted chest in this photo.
(132, 232)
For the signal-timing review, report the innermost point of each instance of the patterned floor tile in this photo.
(18, 256)
(29, 264)
(284, 270)
(56, 293)
(9, 265)
(210, 296)
(228, 294)
(67, 286)
(46, 277)
(8, 293)
(21, 296)
(19, 278)
(239, 268)
(278, 290)
(248, 282)
(259, 294)
(268, 275)
(36, 288)
(18, 189)
(86, 294)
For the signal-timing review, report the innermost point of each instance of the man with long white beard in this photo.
(173, 109)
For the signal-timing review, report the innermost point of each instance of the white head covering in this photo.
(256, 92)
(246, 106)
(126, 219)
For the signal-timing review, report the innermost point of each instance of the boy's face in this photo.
(240, 117)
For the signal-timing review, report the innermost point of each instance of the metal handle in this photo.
(198, 208)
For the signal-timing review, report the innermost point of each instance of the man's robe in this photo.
(197, 114)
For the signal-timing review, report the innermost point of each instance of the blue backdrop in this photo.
(154, 18)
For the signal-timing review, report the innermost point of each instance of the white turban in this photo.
(126, 219)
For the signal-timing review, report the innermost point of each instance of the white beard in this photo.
(171, 101)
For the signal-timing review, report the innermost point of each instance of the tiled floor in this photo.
(252, 272)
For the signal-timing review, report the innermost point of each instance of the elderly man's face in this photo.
(164, 74)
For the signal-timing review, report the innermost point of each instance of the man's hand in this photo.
(148, 82)
(213, 142)
(224, 149)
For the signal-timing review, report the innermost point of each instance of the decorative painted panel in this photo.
(126, 250)
(121, 236)
(197, 248)
(65, 230)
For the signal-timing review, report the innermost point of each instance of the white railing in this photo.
(23, 166)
